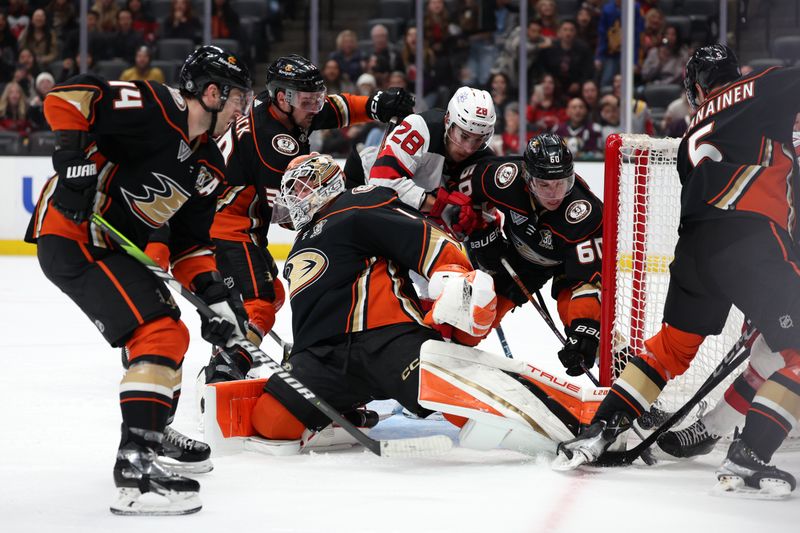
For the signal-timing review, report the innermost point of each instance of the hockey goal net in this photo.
(641, 215)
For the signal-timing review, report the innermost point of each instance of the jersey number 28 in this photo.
(413, 140)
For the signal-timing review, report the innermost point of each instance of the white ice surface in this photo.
(59, 420)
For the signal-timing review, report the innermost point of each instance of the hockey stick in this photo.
(646, 457)
(392, 124)
(503, 342)
(412, 447)
(735, 357)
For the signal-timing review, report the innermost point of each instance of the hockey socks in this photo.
(634, 391)
(773, 413)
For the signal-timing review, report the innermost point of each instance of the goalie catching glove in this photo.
(228, 327)
(583, 337)
(463, 299)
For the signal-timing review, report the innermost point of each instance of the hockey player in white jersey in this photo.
(424, 155)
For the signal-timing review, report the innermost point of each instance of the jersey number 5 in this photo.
(702, 150)
(412, 142)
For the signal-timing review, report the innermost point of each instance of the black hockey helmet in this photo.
(549, 171)
(211, 64)
(708, 67)
(294, 74)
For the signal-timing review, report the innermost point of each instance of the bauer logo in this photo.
(578, 210)
(285, 144)
(505, 174)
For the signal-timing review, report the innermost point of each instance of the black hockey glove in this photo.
(486, 247)
(394, 102)
(583, 337)
(229, 326)
(77, 176)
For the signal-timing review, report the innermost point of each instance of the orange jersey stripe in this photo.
(122, 292)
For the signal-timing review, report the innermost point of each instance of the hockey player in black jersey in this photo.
(424, 155)
(141, 154)
(737, 245)
(356, 319)
(257, 149)
(552, 230)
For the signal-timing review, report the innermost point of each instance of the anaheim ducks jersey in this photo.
(564, 244)
(737, 152)
(257, 149)
(348, 269)
(413, 159)
(149, 171)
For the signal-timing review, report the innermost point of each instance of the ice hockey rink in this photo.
(59, 417)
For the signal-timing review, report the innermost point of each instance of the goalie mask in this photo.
(549, 172)
(472, 112)
(309, 183)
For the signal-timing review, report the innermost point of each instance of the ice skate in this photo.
(180, 453)
(590, 444)
(743, 474)
(145, 488)
(689, 442)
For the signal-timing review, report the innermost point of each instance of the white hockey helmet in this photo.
(472, 110)
(310, 182)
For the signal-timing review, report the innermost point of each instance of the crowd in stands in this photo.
(573, 65)
(127, 39)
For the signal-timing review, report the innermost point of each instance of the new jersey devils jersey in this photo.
(348, 269)
(564, 244)
(413, 159)
(257, 149)
(737, 153)
(149, 171)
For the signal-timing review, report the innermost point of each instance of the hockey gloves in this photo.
(394, 102)
(456, 211)
(465, 300)
(583, 337)
(228, 327)
(77, 176)
(486, 247)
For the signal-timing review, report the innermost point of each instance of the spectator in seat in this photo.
(676, 117)
(609, 117)
(547, 13)
(378, 66)
(490, 25)
(225, 22)
(63, 17)
(641, 121)
(510, 136)
(107, 11)
(181, 23)
(40, 38)
(586, 23)
(582, 135)
(381, 47)
(498, 88)
(366, 85)
(590, 94)
(143, 21)
(609, 39)
(17, 15)
(546, 110)
(126, 41)
(508, 60)
(14, 110)
(44, 82)
(27, 70)
(653, 33)
(437, 27)
(666, 62)
(142, 69)
(8, 50)
(347, 54)
(99, 47)
(397, 79)
(569, 60)
(335, 81)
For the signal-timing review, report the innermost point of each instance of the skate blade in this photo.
(184, 467)
(563, 463)
(734, 487)
(131, 502)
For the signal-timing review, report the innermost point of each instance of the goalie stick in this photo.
(412, 447)
(735, 357)
(647, 457)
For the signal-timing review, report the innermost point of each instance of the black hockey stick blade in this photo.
(411, 447)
